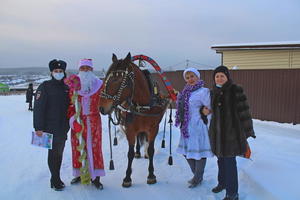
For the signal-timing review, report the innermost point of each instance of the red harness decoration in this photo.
(162, 75)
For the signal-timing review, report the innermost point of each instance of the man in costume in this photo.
(86, 132)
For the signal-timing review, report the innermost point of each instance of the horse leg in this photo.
(137, 148)
(127, 180)
(151, 177)
(146, 146)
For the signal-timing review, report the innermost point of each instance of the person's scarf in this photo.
(182, 117)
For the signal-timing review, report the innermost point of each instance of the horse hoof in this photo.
(126, 184)
(137, 155)
(151, 180)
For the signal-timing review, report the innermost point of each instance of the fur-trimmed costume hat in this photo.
(191, 69)
(86, 62)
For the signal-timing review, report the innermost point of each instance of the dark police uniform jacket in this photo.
(51, 107)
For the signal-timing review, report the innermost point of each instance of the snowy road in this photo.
(272, 173)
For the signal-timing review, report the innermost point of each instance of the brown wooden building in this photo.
(269, 74)
(273, 94)
(272, 55)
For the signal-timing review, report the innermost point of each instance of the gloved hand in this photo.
(203, 117)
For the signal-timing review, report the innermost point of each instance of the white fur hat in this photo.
(191, 69)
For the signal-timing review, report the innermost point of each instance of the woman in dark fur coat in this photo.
(230, 126)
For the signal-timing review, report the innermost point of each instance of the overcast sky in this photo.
(32, 32)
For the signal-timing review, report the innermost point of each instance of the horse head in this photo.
(118, 84)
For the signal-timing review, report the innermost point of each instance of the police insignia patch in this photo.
(38, 95)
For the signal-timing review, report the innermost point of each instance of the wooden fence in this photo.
(273, 94)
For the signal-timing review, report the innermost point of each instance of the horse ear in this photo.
(114, 58)
(128, 58)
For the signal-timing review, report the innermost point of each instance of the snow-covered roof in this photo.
(258, 45)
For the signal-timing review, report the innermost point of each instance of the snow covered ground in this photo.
(22, 81)
(273, 172)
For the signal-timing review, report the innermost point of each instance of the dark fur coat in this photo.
(231, 122)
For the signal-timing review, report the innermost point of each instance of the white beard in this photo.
(86, 80)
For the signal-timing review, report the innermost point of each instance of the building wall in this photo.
(273, 94)
(262, 59)
(295, 59)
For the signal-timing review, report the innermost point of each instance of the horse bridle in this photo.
(126, 75)
(117, 105)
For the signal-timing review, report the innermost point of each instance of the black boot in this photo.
(218, 188)
(75, 180)
(194, 184)
(56, 185)
(62, 183)
(97, 183)
(233, 197)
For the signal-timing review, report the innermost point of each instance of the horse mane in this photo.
(114, 66)
(120, 64)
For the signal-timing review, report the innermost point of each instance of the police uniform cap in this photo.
(57, 64)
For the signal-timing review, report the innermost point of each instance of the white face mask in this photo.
(58, 76)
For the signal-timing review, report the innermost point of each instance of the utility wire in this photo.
(187, 63)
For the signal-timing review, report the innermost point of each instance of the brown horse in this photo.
(126, 92)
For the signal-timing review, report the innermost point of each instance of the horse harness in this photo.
(128, 107)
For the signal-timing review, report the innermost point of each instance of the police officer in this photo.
(50, 115)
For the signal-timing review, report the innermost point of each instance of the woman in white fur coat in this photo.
(194, 140)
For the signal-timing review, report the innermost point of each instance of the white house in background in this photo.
(271, 55)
